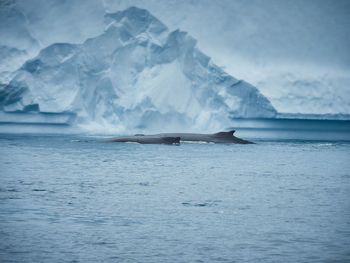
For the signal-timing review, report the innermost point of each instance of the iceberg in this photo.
(16, 42)
(135, 76)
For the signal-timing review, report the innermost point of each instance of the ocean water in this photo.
(77, 199)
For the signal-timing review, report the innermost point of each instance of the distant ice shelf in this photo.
(37, 123)
(37, 118)
(293, 129)
(300, 116)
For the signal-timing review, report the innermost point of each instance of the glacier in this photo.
(137, 75)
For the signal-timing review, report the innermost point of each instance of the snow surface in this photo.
(136, 75)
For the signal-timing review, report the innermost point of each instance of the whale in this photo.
(176, 138)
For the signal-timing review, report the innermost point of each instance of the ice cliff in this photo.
(136, 75)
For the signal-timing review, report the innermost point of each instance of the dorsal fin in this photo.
(225, 134)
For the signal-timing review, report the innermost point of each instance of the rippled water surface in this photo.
(76, 199)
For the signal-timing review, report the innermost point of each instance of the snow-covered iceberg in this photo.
(136, 75)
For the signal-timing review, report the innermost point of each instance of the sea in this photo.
(78, 198)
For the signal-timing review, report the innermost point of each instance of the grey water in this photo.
(77, 199)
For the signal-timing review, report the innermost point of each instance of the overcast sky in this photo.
(316, 31)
